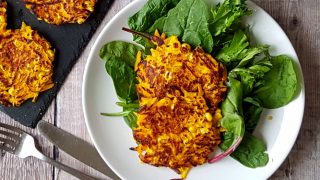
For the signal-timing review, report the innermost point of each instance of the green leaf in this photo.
(251, 152)
(236, 52)
(232, 113)
(120, 59)
(250, 76)
(280, 83)
(124, 79)
(231, 51)
(131, 118)
(189, 21)
(233, 102)
(252, 113)
(248, 54)
(151, 11)
(158, 25)
(123, 50)
(227, 15)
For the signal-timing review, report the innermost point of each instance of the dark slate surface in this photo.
(68, 40)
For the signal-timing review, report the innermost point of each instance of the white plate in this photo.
(113, 138)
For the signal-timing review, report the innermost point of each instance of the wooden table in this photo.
(301, 21)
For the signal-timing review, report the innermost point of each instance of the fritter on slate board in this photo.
(61, 11)
(179, 94)
(25, 63)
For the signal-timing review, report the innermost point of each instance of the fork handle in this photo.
(65, 168)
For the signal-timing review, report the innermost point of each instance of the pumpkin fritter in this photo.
(61, 11)
(179, 91)
(25, 63)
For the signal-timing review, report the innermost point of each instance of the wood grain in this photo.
(299, 19)
(69, 105)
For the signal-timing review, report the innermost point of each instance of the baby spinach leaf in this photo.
(251, 152)
(226, 15)
(151, 11)
(120, 59)
(252, 112)
(124, 79)
(158, 25)
(131, 118)
(233, 102)
(123, 50)
(232, 113)
(280, 83)
(189, 21)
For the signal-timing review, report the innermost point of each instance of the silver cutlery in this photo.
(15, 141)
(75, 147)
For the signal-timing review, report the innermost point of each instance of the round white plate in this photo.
(113, 138)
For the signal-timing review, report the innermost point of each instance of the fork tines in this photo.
(9, 137)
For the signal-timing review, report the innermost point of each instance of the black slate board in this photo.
(68, 40)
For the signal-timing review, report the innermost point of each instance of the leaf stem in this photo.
(155, 39)
(129, 105)
(124, 113)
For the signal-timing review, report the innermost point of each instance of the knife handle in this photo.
(65, 168)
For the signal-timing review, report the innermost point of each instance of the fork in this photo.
(15, 141)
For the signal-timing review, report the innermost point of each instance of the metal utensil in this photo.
(75, 147)
(15, 141)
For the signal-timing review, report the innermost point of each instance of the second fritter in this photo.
(61, 11)
(25, 63)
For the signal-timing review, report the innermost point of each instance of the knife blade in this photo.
(75, 147)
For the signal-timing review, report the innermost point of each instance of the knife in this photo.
(75, 147)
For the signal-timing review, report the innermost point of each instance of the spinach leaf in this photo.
(226, 15)
(189, 21)
(125, 51)
(279, 84)
(120, 59)
(251, 152)
(232, 113)
(124, 79)
(158, 25)
(131, 118)
(151, 11)
(252, 112)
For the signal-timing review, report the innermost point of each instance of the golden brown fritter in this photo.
(61, 11)
(179, 92)
(25, 63)
(3, 16)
